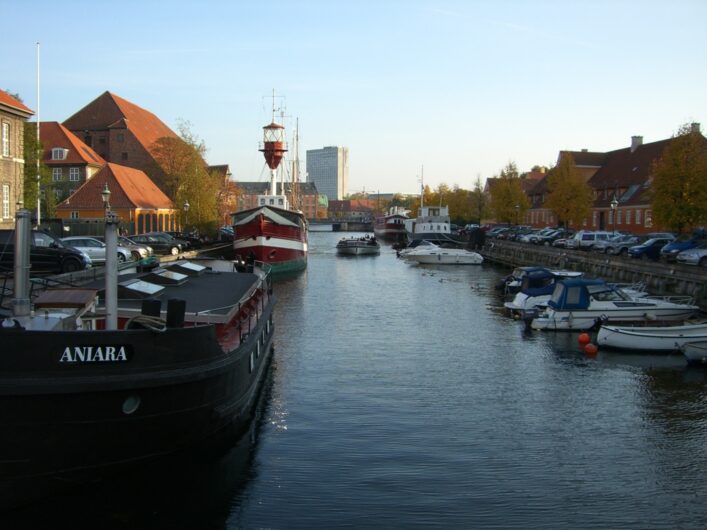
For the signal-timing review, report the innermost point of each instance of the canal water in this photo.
(402, 396)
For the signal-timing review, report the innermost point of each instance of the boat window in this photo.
(574, 294)
(558, 293)
(250, 366)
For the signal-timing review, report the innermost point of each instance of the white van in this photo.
(584, 240)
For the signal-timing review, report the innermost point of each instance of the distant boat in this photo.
(358, 246)
(392, 225)
(658, 338)
(432, 223)
(579, 304)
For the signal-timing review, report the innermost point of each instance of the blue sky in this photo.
(461, 87)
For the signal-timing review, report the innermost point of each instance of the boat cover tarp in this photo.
(572, 294)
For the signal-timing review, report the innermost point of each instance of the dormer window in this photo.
(59, 153)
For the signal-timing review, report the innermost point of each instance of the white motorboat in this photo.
(653, 338)
(539, 283)
(695, 352)
(580, 304)
(414, 246)
(539, 277)
(358, 246)
(426, 254)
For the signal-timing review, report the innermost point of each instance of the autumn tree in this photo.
(679, 188)
(508, 200)
(186, 177)
(569, 196)
(478, 202)
(32, 150)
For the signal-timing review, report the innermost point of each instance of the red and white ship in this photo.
(272, 232)
(392, 225)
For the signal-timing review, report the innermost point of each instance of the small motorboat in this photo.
(358, 246)
(537, 276)
(653, 338)
(695, 352)
(580, 304)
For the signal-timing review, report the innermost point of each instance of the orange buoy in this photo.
(591, 349)
(584, 338)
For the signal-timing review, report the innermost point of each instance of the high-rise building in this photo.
(328, 168)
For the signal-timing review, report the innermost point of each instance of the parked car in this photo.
(620, 245)
(138, 251)
(685, 242)
(225, 233)
(694, 256)
(47, 254)
(561, 242)
(649, 249)
(95, 249)
(160, 243)
(193, 240)
(585, 240)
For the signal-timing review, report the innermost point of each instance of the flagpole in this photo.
(39, 153)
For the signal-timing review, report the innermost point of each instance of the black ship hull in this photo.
(75, 405)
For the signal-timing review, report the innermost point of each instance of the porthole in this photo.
(131, 404)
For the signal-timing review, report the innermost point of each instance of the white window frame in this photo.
(56, 174)
(628, 217)
(638, 216)
(5, 139)
(74, 174)
(5, 201)
(74, 215)
(59, 153)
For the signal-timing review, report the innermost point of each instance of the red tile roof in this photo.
(111, 111)
(9, 101)
(130, 188)
(53, 134)
(623, 168)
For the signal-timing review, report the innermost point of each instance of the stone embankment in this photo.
(663, 279)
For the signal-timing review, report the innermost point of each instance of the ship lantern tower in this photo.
(274, 149)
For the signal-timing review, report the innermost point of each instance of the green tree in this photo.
(679, 188)
(569, 196)
(187, 179)
(32, 149)
(508, 200)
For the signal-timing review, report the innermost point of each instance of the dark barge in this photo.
(78, 400)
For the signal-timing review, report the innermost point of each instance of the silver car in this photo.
(95, 249)
(694, 256)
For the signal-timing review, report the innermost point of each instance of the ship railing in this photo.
(675, 299)
(249, 309)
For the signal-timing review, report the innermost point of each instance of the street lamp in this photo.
(614, 205)
(105, 195)
(186, 214)
(517, 207)
(111, 265)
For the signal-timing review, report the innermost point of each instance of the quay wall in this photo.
(662, 279)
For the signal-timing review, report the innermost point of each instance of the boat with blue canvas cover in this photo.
(580, 304)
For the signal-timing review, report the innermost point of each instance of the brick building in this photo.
(13, 115)
(139, 203)
(121, 132)
(70, 161)
(624, 174)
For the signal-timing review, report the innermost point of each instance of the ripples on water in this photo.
(401, 396)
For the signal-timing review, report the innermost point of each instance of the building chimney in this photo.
(636, 142)
(695, 127)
